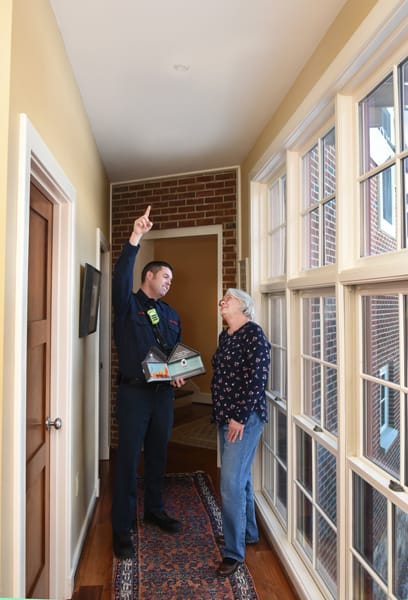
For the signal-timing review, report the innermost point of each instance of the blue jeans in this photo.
(237, 495)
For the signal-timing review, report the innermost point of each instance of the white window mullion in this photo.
(348, 225)
(293, 400)
(293, 222)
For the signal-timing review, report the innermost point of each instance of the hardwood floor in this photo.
(94, 574)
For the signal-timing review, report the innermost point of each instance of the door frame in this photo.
(37, 164)
(103, 355)
(190, 232)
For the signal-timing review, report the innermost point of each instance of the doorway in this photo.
(195, 255)
(38, 166)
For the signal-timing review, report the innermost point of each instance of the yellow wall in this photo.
(346, 23)
(5, 35)
(43, 87)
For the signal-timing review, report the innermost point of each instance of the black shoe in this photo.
(122, 545)
(163, 521)
(227, 567)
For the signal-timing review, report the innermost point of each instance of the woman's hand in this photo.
(235, 431)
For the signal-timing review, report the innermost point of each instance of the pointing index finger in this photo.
(147, 212)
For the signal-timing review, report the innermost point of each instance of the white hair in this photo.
(245, 300)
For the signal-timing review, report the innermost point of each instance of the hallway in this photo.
(93, 578)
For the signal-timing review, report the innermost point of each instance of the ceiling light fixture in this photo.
(181, 67)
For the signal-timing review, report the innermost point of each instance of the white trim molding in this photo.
(37, 164)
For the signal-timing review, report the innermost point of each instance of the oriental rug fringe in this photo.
(180, 566)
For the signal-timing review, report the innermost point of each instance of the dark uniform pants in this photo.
(145, 420)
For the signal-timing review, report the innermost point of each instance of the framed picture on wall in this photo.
(90, 294)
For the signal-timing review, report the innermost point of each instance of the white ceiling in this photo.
(150, 119)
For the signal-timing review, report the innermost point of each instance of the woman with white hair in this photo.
(240, 374)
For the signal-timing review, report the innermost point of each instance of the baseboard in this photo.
(81, 540)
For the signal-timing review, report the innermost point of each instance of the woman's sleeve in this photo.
(255, 373)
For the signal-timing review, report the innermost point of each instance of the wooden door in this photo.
(194, 293)
(38, 395)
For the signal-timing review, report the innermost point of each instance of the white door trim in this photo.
(37, 164)
(103, 375)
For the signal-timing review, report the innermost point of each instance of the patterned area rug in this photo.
(180, 566)
(200, 433)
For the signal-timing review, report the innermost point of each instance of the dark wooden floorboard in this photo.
(94, 575)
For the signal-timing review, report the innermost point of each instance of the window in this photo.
(277, 228)
(369, 540)
(382, 113)
(319, 352)
(319, 203)
(274, 444)
(316, 506)
(316, 452)
(334, 454)
(381, 377)
(373, 526)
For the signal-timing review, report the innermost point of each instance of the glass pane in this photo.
(400, 552)
(275, 307)
(326, 550)
(364, 586)
(281, 446)
(329, 164)
(381, 337)
(379, 233)
(274, 204)
(329, 232)
(283, 229)
(310, 173)
(377, 122)
(267, 471)
(382, 422)
(370, 525)
(285, 377)
(404, 103)
(312, 390)
(330, 336)
(277, 229)
(304, 462)
(283, 320)
(304, 523)
(282, 487)
(268, 429)
(311, 239)
(326, 478)
(276, 254)
(330, 395)
(405, 197)
(276, 370)
(311, 327)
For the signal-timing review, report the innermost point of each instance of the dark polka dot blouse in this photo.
(240, 374)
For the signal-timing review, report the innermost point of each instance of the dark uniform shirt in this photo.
(241, 369)
(134, 334)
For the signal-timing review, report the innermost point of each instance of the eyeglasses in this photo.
(226, 298)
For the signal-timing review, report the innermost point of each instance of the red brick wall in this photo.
(191, 200)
